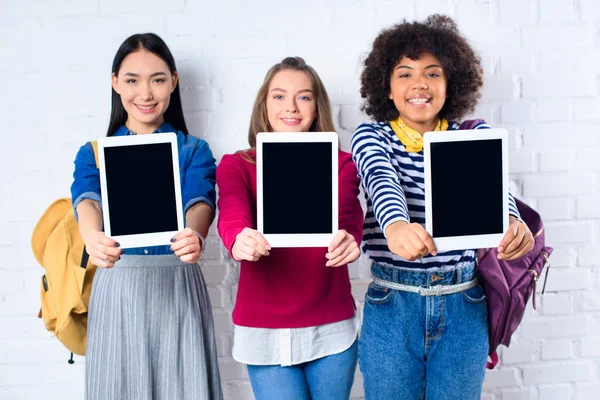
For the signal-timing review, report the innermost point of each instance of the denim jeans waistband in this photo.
(453, 275)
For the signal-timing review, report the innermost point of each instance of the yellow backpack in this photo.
(67, 282)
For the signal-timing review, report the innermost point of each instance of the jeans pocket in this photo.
(377, 294)
(475, 295)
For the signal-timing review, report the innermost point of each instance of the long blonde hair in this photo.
(259, 121)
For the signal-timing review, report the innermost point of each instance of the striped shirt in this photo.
(394, 184)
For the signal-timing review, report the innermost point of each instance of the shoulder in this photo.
(344, 157)
(85, 153)
(469, 124)
(371, 134)
(374, 130)
(374, 127)
(242, 159)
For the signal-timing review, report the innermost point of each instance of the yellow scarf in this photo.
(410, 138)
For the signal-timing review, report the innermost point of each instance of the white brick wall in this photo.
(541, 63)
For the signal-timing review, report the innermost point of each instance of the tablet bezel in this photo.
(298, 239)
(468, 241)
(143, 239)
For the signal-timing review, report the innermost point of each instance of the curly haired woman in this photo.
(419, 77)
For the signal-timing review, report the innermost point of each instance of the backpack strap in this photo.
(95, 146)
(493, 360)
(470, 124)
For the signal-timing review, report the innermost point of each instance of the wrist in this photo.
(202, 240)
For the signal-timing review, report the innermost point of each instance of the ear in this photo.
(114, 82)
(174, 81)
(390, 96)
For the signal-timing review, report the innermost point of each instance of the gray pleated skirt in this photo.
(150, 333)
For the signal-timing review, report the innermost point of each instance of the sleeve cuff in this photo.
(86, 195)
(384, 228)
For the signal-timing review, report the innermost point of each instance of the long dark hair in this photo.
(154, 44)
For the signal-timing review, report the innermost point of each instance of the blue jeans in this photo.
(423, 347)
(327, 378)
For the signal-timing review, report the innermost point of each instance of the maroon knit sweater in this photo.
(291, 287)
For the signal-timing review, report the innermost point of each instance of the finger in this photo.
(337, 239)
(190, 257)
(191, 249)
(101, 263)
(410, 250)
(522, 251)
(251, 253)
(340, 248)
(184, 242)
(419, 246)
(103, 252)
(105, 240)
(260, 239)
(508, 236)
(527, 246)
(351, 254)
(258, 246)
(427, 240)
(341, 254)
(516, 244)
(181, 234)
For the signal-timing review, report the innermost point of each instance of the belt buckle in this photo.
(431, 290)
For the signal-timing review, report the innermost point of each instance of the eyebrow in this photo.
(427, 67)
(283, 90)
(151, 76)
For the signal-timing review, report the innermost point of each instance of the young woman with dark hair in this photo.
(150, 327)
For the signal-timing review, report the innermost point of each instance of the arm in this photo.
(85, 191)
(198, 195)
(518, 239)
(344, 247)
(380, 181)
(235, 221)
(378, 176)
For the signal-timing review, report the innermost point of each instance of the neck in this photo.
(142, 129)
(422, 127)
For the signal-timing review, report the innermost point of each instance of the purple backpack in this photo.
(508, 285)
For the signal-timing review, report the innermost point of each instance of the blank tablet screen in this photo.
(466, 182)
(141, 189)
(297, 188)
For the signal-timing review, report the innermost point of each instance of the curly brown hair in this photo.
(437, 35)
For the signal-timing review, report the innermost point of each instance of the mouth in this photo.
(290, 121)
(146, 108)
(419, 101)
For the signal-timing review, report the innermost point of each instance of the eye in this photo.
(305, 98)
(406, 75)
(434, 74)
(131, 81)
(278, 97)
(160, 80)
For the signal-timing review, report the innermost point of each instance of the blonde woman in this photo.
(295, 322)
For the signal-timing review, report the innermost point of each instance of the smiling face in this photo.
(145, 84)
(291, 105)
(418, 90)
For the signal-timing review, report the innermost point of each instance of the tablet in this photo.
(141, 190)
(466, 188)
(297, 188)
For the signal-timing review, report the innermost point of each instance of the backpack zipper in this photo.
(547, 265)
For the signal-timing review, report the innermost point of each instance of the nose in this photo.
(291, 105)
(420, 84)
(146, 92)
